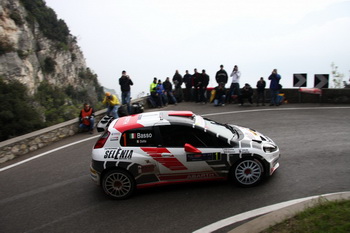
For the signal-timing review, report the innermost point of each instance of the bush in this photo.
(17, 114)
(16, 16)
(49, 65)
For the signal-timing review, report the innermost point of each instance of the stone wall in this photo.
(24, 144)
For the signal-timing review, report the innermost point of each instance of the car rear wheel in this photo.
(247, 172)
(118, 184)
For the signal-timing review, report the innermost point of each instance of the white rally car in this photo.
(167, 147)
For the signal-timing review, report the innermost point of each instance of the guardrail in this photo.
(24, 144)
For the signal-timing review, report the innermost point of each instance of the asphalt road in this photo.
(54, 193)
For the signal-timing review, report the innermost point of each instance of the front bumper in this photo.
(274, 164)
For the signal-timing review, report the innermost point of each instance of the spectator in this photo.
(246, 93)
(112, 103)
(261, 84)
(87, 118)
(274, 87)
(155, 99)
(125, 82)
(221, 76)
(220, 95)
(161, 93)
(203, 87)
(168, 88)
(187, 79)
(177, 80)
(197, 82)
(234, 88)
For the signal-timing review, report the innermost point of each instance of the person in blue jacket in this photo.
(161, 92)
(274, 87)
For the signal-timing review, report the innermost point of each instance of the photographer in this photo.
(112, 103)
(234, 88)
(246, 93)
(125, 82)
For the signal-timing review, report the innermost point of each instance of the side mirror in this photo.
(191, 149)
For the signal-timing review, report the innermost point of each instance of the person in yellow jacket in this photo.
(112, 103)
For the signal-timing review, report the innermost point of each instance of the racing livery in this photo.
(167, 147)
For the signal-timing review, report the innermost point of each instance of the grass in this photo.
(326, 217)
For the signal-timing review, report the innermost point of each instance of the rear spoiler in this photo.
(103, 124)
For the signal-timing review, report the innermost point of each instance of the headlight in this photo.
(269, 148)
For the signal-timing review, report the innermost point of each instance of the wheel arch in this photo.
(107, 170)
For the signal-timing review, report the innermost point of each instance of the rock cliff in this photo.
(28, 55)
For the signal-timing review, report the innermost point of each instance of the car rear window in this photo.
(138, 137)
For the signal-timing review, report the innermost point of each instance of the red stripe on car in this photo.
(170, 161)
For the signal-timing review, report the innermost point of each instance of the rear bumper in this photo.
(95, 176)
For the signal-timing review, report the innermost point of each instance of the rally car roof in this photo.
(151, 118)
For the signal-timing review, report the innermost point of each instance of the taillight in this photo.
(102, 140)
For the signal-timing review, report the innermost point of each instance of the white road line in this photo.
(273, 109)
(46, 153)
(254, 213)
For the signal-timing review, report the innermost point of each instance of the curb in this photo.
(271, 215)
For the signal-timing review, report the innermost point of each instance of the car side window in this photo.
(144, 137)
(178, 135)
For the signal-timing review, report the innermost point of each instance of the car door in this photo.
(189, 153)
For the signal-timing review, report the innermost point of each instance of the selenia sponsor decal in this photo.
(118, 154)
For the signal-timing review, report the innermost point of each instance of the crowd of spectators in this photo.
(196, 89)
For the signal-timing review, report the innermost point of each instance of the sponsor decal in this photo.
(118, 154)
(244, 151)
(253, 132)
(229, 151)
(203, 157)
(200, 175)
(115, 136)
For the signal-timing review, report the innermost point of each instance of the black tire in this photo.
(118, 184)
(247, 172)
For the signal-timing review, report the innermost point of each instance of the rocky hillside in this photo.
(35, 46)
(44, 79)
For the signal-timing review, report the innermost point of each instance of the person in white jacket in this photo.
(234, 91)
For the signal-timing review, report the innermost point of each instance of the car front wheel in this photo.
(247, 172)
(118, 184)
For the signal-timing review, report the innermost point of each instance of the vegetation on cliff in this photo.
(52, 27)
(17, 115)
(55, 99)
(21, 113)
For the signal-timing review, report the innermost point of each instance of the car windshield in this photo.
(223, 130)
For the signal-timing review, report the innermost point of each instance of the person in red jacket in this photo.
(87, 118)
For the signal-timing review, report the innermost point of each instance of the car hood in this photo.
(252, 134)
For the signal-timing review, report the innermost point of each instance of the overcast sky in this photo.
(153, 38)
